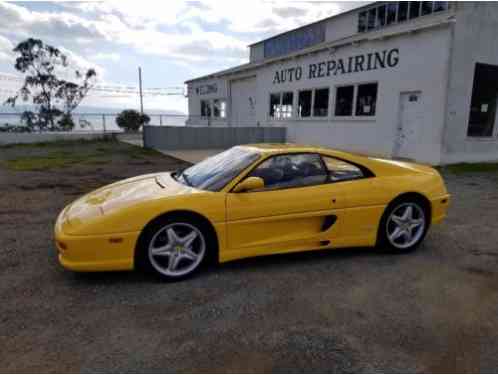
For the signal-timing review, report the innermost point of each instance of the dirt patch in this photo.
(44, 185)
(353, 310)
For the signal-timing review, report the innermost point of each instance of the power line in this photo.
(108, 88)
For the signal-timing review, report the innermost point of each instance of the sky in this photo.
(171, 40)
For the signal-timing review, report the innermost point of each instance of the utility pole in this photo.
(140, 87)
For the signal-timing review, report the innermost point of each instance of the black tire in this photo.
(387, 227)
(156, 236)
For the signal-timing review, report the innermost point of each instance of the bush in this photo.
(66, 122)
(131, 120)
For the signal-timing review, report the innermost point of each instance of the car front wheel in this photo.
(174, 250)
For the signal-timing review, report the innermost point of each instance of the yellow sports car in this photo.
(248, 201)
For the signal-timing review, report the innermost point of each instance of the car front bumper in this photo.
(106, 252)
(440, 208)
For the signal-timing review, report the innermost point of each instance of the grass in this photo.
(55, 159)
(472, 168)
(59, 143)
(60, 154)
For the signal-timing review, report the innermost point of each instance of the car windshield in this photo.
(215, 172)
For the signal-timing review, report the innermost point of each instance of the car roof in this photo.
(377, 165)
(278, 148)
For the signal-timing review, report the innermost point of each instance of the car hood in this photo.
(119, 195)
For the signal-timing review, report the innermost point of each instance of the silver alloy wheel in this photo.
(177, 249)
(405, 226)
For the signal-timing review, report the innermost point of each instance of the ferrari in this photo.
(247, 201)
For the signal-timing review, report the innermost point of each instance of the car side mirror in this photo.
(250, 183)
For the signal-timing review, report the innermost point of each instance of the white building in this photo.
(406, 79)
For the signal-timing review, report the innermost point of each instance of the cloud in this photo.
(114, 57)
(6, 47)
(81, 64)
(18, 20)
(159, 27)
(292, 11)
(250, 19)
(194, 37)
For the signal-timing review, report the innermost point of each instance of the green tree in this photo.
(131, 120)
(42, 65)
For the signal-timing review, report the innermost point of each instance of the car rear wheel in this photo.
(174, 250)
(404, 225)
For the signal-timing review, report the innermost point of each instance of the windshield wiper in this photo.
(181, 174)
(185, 177)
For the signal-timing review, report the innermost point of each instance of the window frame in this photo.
(374, 26)
(353, 106)
(353, 116)
(378, 23)
(280, 100)
(367, 173)
(209, 102)
(363, 29)
(298, 115)
(396, 4)
(279, 93)
(357, 89)
(375, 9)
(291, 113)
(222, 111)
(313, 94)
(410, 10)
(312, 104)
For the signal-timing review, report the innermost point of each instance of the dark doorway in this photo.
(483, 103)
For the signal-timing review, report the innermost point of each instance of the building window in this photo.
(344, 101)
(391, 13)
(295, 40)
(414, 9)
(371, 19)
(366, 99)
(281, 105)
(321, 103)
(275, 105)
(304, 103)
(440, 6)
(362, 22)
(426, 7)
(205, 108)
(402, 11)
(287, 104)
(381, 16)
(483, 103)
(219, 108)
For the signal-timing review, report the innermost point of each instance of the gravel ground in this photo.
(434, 310)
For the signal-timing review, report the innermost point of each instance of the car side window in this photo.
(290, 171)
(340, 170)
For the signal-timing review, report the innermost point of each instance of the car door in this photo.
(362, 207)
(297, 210)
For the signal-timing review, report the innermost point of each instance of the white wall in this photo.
(203, 90)
(475, 40)
(423, 58)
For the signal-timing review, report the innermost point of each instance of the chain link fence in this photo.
(90, 122)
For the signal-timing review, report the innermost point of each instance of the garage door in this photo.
(243, 93)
